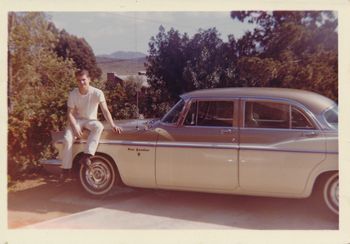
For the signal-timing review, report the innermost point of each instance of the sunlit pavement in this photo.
(130, 208)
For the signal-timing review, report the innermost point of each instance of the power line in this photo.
(159, 22)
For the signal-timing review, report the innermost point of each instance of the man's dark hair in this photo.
(81, 72)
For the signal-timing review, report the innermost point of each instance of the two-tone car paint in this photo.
(234, 158)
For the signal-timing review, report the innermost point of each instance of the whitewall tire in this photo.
(99, 177)
(331, 193)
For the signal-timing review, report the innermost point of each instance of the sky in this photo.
(107, 32)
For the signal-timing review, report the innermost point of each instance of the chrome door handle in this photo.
(226, 131)
(310, 134)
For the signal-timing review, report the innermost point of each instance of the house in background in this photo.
(140, 79)
(112, 78)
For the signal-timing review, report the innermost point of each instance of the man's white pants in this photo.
(94, 126)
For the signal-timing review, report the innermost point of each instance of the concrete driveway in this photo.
(66, 206)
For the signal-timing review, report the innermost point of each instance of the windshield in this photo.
(331, 116)
(173, 115)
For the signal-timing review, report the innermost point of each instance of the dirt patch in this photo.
(26, 184)
(30, 200)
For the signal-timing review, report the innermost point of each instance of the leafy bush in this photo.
(39, 82)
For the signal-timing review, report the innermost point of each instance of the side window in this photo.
(300, 120)
(260, 114)
(210, 113)
(191, 117)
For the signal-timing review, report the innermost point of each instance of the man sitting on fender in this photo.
(82, 113)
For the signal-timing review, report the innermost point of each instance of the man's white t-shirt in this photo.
(85, 106)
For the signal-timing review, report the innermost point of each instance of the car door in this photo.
(280, 144)
(201, 152)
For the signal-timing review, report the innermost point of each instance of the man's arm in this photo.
(109, 118)
(76, 128)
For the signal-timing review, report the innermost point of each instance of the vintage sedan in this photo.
(252, 141)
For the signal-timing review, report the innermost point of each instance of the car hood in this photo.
(132, 124)
(129, 126)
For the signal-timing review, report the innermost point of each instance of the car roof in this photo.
(316, 103)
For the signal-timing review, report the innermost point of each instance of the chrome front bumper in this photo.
(51, 165)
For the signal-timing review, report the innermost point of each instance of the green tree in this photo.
(296, 49)
(38, 85)
(208, 61)
(165, 65)
(77, 49)
(121, 100)
(178, 64)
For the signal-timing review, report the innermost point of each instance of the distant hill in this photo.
(120, 66)
(123, 55)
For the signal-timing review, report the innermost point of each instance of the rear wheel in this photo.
(331, 192)
(99, 177)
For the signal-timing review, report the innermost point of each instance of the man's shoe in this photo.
(86, 159)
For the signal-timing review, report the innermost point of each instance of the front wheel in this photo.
(331, 193)
(99, 177)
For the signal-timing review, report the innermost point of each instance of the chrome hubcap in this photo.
(97, 175)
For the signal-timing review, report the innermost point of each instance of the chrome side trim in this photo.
(209, 127)
(165, 144)
(117, 142)
(198, 145)
(279, 129)
(204, 145)
(259, 148)
(128, 143)
(56, 162)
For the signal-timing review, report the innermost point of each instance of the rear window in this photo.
(331, 116)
